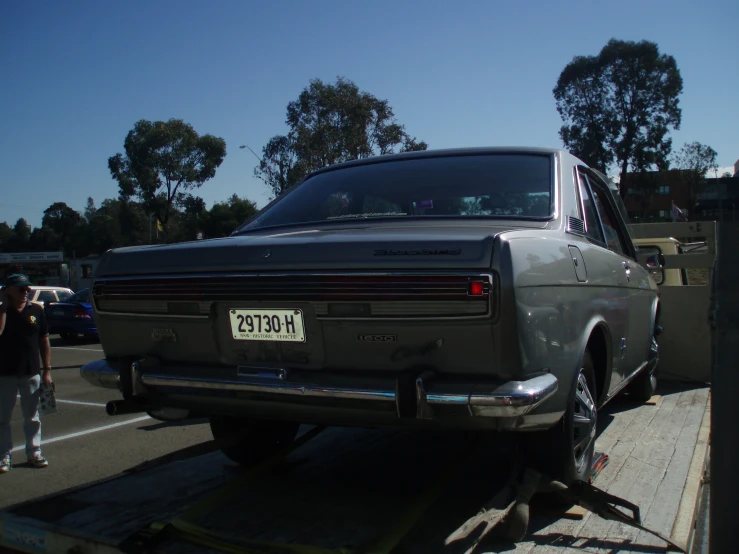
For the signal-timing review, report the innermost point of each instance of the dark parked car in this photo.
(73, 317)
(489, 288)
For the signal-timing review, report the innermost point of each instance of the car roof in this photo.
(49, 287)
(477, 150)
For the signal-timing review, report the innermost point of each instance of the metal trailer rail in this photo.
(356, 490)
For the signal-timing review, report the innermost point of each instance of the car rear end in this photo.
(383, 314)
(72, 317)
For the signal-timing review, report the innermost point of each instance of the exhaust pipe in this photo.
(129, 406)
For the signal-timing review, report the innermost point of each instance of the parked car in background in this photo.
(72, 317)
(487, 288)
(43, 295)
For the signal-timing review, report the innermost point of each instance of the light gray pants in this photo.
(29, 389)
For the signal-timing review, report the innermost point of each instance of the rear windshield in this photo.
(63, 295)
(491, 185)
(81, 296)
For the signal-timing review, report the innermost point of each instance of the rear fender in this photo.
(596, 324)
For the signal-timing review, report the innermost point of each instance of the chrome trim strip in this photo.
(365, 273)
(556, 196)
(292, 389)
(626, 381)
(160, 316)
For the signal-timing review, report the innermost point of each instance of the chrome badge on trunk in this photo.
(162, 334)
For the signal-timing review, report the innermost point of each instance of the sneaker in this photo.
(37, 460)
(5, 465)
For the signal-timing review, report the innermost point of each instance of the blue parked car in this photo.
(72, 317)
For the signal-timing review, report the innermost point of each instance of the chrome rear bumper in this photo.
(100, 374)
(504, 400)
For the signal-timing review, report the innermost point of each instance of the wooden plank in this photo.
(661, 493)
(627, 480)
(680, 261)
(655, 455)
(685, 519)
(624, 438)
(661, 516)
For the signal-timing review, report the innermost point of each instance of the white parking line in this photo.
(86, 432)
(75, 348)
(80, 403)
(77, 402)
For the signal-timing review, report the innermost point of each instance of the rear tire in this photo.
(249, 441)
(565, 452)
(644, 385)
(67, 337)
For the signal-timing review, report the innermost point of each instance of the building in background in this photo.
(649, 196)
(43, 268)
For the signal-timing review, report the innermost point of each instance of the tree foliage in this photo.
(328, 124)
(224, 217)
(6, 233)
(696, 158)
(62, 220)
(162, 161)
(618, 107)
(21, 233)
(695, 161)
(122, 222)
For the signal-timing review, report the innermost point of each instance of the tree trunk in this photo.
(622, 178)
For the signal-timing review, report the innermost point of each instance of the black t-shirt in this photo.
(19, 343)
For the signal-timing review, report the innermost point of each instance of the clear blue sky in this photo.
(76, 75)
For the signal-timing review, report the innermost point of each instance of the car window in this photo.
(614, 240)
(46, 296)
(490, 185)
(592, 225)
(81, 296)
(63, 295)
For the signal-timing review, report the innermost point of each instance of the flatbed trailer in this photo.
(344, 490)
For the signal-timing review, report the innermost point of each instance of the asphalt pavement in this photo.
(81, 441)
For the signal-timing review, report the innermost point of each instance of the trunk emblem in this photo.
(161, 334)
(267, 253)
(377, 338)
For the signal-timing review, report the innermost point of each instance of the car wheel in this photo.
(248, 441)
(565, 452)
(644, 385)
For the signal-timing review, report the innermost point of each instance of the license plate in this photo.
(57, 313)
(268, 325)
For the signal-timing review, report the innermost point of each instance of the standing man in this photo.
(24, 339)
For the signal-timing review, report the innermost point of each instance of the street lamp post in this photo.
(252, 151)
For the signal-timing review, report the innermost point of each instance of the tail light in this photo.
(476, 288)
(81, 315)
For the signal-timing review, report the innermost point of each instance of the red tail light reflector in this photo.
(476, 288)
